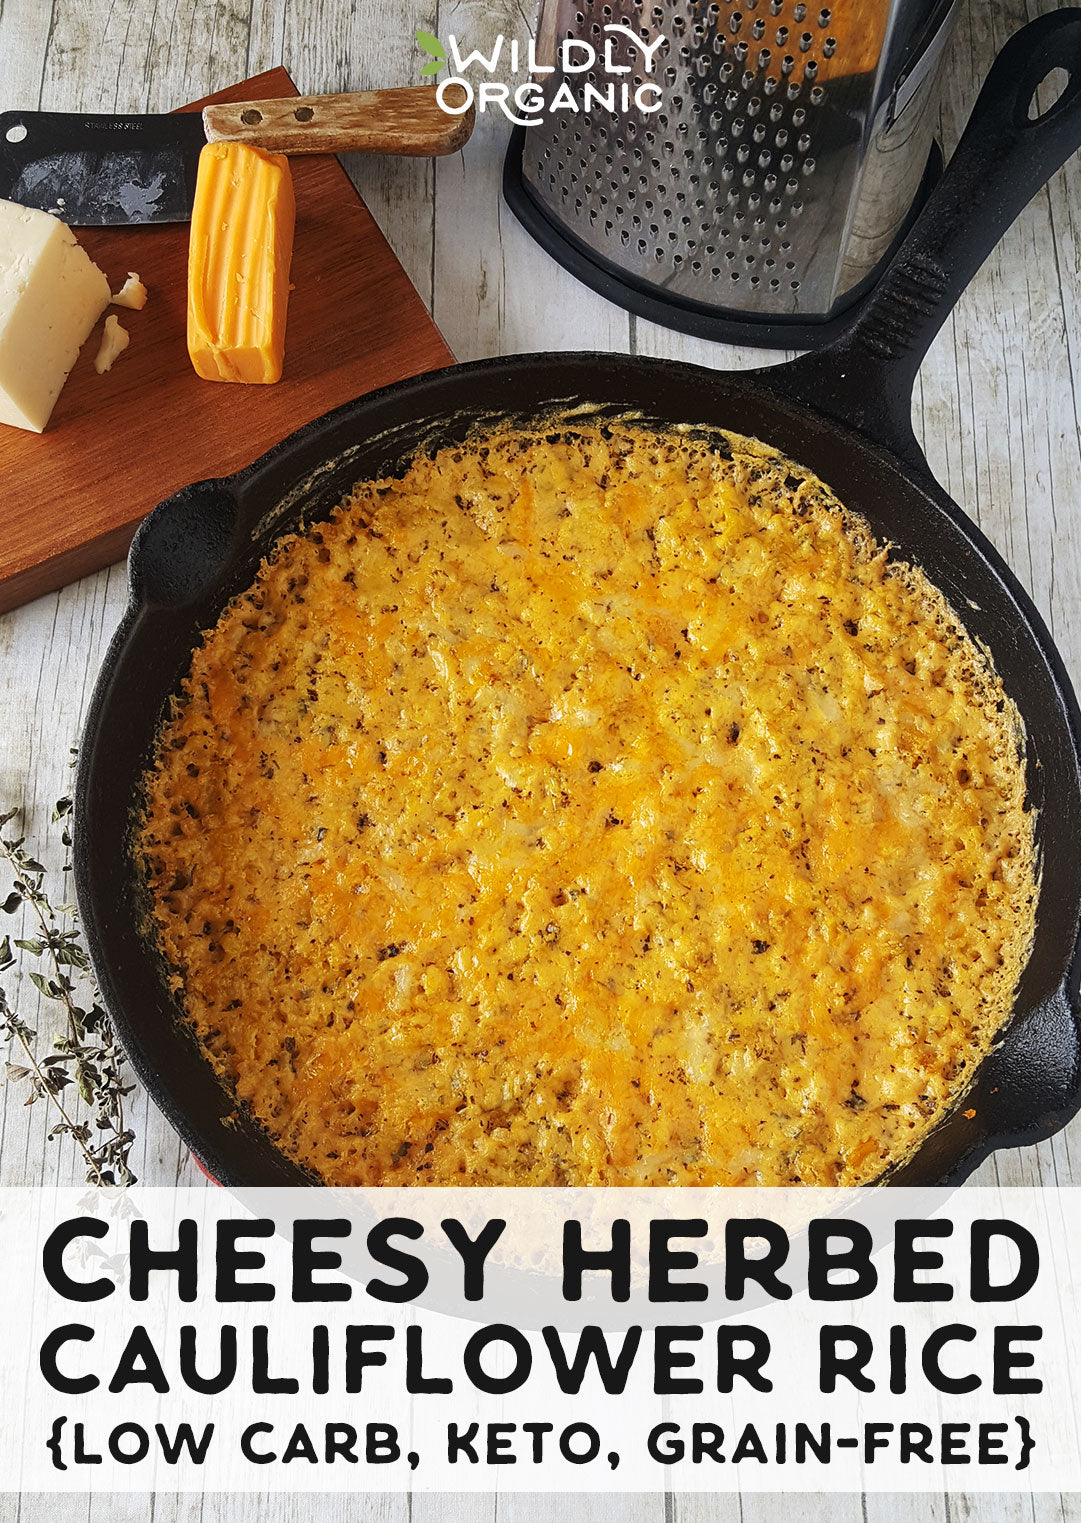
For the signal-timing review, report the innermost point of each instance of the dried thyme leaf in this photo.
(85, 1059)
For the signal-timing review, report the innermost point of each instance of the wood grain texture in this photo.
(119, 443)
(407, 122)
(996, 408)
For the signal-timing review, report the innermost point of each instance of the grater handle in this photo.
(865, 378)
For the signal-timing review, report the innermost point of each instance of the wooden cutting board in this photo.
(118, 443)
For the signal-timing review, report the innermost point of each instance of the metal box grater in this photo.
(758, 202)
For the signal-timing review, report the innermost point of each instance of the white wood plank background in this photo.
(996, 408)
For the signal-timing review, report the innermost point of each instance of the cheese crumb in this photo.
(131, 294)
(114, 341)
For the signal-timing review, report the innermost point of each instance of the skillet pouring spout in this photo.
(844, 413)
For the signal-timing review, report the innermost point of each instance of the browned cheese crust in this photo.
(593, 808)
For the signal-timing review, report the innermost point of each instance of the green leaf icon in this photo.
(433, 67)
(432, 45)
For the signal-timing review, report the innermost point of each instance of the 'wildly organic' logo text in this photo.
(527, 102)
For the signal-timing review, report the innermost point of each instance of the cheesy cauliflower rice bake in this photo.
(598, 806)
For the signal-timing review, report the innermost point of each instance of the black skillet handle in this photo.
(866, 377)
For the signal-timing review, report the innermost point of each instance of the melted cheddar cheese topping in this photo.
(598, 807)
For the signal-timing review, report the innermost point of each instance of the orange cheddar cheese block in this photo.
(238, 263)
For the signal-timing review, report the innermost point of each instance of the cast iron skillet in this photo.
(844, 413)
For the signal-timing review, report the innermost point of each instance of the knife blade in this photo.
(103, 171)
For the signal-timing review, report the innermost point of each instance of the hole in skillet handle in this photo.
(1048, 93)
(182, 548)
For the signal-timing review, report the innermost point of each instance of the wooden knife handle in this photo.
(407, 121)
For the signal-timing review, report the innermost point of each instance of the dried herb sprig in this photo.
(85, 1059)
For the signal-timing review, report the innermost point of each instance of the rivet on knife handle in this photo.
(407, 121)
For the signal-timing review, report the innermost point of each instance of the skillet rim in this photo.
(761, 387)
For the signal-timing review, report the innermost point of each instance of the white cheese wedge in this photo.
(51, 295)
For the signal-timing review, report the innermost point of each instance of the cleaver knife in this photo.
(103, 171)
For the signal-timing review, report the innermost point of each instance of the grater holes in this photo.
(829, 47)
(717, 158)
(799, 12)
